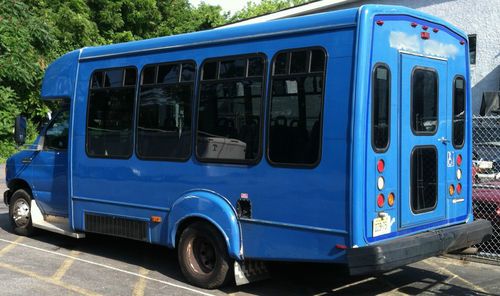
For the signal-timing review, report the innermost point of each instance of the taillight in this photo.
(459, 159)
(380, 200)
(380, 166)
(459, 188)
(390, 199)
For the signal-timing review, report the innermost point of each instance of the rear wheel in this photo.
(203, 256)
(20, 213)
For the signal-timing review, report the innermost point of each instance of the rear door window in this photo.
(424, 97)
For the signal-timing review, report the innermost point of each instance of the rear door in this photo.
(423, 140)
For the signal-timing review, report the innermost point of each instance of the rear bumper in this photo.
(401, 251)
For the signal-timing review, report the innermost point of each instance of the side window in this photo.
(56, 135)
(424, 117)
(230, 110)
(458, 112)
(380, 108)
(110, 113)
(296, 105)
(164, 117)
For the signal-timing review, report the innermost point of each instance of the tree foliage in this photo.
(35, 32)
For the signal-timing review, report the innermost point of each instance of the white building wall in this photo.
(480, 17)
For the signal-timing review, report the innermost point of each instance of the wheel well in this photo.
(188, 221)
(17, 184)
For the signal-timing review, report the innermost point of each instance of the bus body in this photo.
(340, 137)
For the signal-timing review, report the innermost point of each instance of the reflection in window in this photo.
(229, 113)
(380, 105)
(164, 121)
(296, 107)
(424, 179)
(458, 112)
(110, 113)
(424, 101)
(56, 135)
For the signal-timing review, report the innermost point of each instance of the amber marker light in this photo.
(390, 199)
(451, 189)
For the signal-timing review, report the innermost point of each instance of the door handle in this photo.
(27, 160)
(443, 140)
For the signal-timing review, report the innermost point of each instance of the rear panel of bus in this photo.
(417, 151)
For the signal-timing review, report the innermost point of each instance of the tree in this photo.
(266, 6)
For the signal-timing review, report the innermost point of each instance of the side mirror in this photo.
(20, 130)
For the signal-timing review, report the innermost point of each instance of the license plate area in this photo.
(381, 225)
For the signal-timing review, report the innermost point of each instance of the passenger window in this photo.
(230, 107)
(424, 117)
(458, 112)
(380, 108)
(164, 120)
(296, 107)
(56, 135)
(110, 114)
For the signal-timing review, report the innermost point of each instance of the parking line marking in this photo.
(140, 286)
(109, 267)
(438, 267)
(49, 280)
(65, 266)
(11, 246)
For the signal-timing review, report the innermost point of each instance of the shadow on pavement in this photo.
(287, 278)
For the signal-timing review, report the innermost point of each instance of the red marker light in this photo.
(341, 247)
(459, 160)
(425, 28)
(380, 166)
(413, 25)
(380, 23)
(462, 42)
(425, 35)
(459, 188)
(380, 200)
(435, 30)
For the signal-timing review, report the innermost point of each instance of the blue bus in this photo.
(340, 137)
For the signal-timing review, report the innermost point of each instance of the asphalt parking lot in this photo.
(52, 264)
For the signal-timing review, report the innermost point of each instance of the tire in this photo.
(203, 256)
(20, 213)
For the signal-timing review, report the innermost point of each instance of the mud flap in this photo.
(250, 271)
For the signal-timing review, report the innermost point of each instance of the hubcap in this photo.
(21, 213)
(205, 254)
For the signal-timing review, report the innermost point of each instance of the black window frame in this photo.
(430, 209)
(90, 88)
(389, 114)
(265, 77)
(269, 101)
(453, 112)
(193, 103)
(424, 133)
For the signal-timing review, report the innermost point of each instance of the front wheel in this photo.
(203, 256)
(20, 213)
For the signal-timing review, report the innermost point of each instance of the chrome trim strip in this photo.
(423, 55)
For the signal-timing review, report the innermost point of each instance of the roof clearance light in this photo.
(459, 159)
(451, 189)
(380, 166)
(459, 174)
(425, 28)
(390, 199)
(459, 188)
(413, 25)
(380, 23)
(380, 183)
(425, 35)
(435, 30)
(380, 200)
(462, 42)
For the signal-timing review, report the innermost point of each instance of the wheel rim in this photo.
(204, 253)
(21, 213)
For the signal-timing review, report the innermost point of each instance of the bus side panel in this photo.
(310, 199)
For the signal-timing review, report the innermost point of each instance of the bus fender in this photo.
(209, 206)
